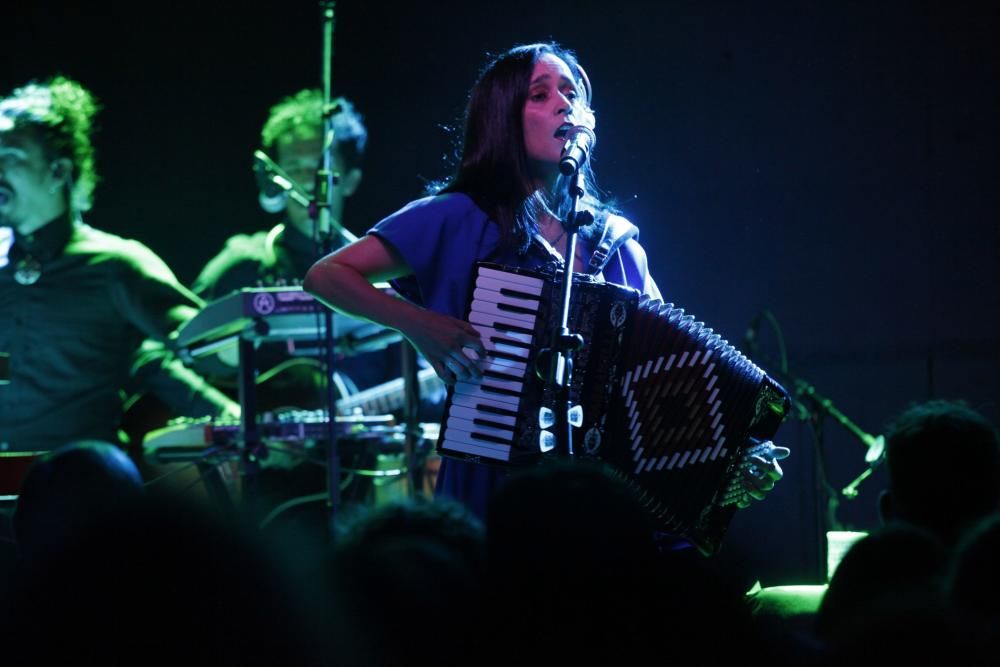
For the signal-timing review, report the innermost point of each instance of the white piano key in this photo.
(504, 348)
(490, 382)
(511, 278)
(481, 294)
(488, 332)
(527, 319)
(463, 412)
(494, 320)
(468, 425)
(486, 450)
(477, 391)
(474, 402)
(506, 366)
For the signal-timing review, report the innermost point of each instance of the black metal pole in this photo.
(411, 411)
(252, 449)
(563, 342)
(323, 205)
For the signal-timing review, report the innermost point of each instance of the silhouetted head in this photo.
(897, 566)
(402, 571)
(974, 579)
(943, 463)
(67, 489)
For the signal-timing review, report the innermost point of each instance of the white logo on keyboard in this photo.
(263, 303)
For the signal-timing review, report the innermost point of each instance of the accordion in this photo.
(667, 404)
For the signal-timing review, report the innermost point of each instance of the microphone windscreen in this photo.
(273, 203)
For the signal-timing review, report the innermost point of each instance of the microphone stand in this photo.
(813, 415)
(559, 355)
(321, 214)
(875, 444)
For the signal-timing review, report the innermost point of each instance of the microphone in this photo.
(580, 141)
(273, 185)
(273, 204)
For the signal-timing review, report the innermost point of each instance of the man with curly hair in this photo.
(87, 316)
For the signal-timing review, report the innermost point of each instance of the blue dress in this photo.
(441, 238)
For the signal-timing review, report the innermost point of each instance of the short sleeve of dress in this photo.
(440, 238)
(641, 277)
(629, 267)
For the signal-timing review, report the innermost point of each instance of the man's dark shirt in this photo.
(282, 256)
(279, 256)
(75, 338)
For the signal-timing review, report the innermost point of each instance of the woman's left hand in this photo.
(760, 471)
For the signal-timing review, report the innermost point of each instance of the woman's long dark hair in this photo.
(493, 169)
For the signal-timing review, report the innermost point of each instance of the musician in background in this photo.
(77, 303)
(503, 205)
(292, 137)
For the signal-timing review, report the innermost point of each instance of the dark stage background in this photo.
(832, 163)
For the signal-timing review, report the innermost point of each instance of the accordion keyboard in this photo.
(666, 403)
(504, 309)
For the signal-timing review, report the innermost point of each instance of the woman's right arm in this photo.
(342, 280)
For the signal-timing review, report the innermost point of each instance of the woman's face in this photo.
(553, 105)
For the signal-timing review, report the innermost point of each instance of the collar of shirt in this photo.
(46, 243)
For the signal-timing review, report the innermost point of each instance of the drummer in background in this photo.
(76, 303)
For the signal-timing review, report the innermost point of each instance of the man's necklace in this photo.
(28, 270)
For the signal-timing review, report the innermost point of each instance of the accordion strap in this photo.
(617, 230)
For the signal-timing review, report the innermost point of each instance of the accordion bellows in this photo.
(667, 403)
